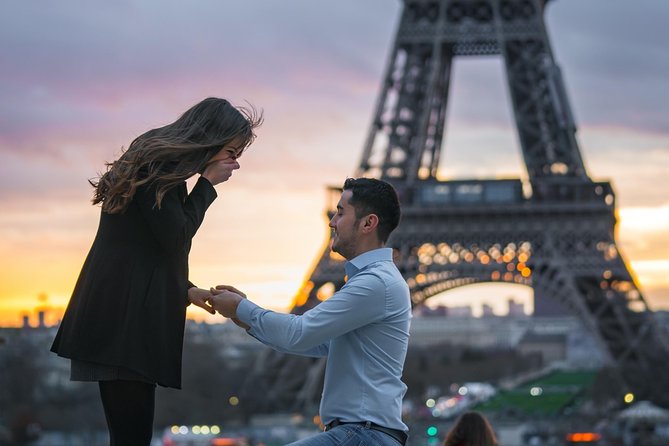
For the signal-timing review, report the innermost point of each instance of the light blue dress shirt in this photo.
(363, 329)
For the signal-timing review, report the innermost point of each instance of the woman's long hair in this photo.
(471, 429)
(167, 156)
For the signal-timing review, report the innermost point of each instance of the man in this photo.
(363, 329)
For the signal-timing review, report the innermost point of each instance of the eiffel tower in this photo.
(554, 232)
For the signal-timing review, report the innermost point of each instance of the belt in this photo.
(397, 434)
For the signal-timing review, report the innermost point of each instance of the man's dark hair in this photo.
(372, 196)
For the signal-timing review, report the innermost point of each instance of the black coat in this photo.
(128, 307)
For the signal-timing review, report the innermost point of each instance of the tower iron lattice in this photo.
(554, 231)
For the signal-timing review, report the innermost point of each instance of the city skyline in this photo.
(79, 82)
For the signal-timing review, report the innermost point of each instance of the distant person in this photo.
(124, 325)
(471, 429)
(363, 329)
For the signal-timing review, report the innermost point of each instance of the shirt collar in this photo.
(357, 263)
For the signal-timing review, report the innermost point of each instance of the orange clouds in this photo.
(79, 83)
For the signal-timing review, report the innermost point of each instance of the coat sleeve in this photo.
(179, 217)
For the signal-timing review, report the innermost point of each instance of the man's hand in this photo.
(239, 323)
(219, 288)
(225, 302)
(199, 297)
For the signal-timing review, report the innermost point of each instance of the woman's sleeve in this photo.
(178, 219)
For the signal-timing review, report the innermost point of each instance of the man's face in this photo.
(345, 227)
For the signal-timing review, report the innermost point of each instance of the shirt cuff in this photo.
(245, 311)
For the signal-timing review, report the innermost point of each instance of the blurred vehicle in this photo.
(464, 397)
(200, 436)
(583, 438)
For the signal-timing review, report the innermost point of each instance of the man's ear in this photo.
(370, 223)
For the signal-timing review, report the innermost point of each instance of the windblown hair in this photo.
(166, 156)
(372, 196)
(471, 429)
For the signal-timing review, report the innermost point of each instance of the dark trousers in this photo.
(129, 407)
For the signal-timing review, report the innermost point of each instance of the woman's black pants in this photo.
(129, 407)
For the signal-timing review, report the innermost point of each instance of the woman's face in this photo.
(229, 151)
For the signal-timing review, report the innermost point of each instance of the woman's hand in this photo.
(220, 170)
(200, 298)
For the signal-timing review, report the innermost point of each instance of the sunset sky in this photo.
(81, 79)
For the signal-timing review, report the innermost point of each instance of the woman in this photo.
(124, 324)
(471, 429)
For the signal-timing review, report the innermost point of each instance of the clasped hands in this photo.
(223, 299)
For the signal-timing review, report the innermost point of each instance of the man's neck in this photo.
(366, 248)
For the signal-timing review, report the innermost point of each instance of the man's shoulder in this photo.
(384, 272)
